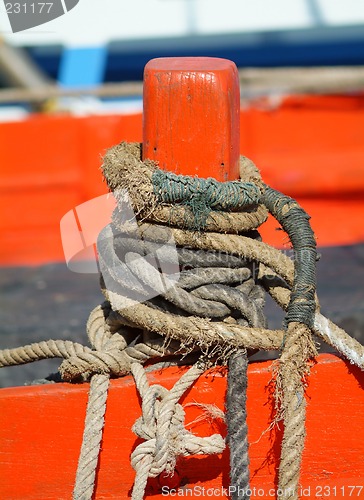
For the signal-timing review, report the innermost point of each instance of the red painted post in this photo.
(191, 119)
(191, 116)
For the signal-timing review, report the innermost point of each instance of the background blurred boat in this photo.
(97, 42)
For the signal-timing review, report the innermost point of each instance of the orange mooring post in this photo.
(192, 116)
(191, 108)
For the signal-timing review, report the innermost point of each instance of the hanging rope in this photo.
(213, 310)
(92, 435)
(237, 425)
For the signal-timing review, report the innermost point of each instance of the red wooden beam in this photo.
(41, 431)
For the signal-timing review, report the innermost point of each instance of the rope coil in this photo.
(213, 308)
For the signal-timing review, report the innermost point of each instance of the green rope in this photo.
(202, 196)
(295, 221)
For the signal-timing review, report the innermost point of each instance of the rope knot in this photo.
(108, 356)
(161, 425)
(84, 365)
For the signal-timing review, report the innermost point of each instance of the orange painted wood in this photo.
(49, 165)
(304, 149)
(191, 116)
(310, 148)
(41, 431)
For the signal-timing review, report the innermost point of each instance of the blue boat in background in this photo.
(125, 60)
(98, 42)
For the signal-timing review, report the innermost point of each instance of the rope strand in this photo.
(92, 436)
(237, 427)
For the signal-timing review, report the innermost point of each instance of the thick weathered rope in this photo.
(236, 399)
(292, 373)
(237, 425)
(169, 188)
(301, 308)
(238, 335)
(195, 293)
(221, 271)
(330, 333)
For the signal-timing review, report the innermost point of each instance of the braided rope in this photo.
(292, 370)
(92, 436)
(41, 350)
(162, 427)
(330, 333)
(221, 274)
(237, 426)
(285, 210)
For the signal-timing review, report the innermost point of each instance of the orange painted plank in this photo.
(307, 151)
(308, 147)
(335, 221)
(49, 165)
(41, 432)
(191, 116)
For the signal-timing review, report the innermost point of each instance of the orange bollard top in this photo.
(191, 116)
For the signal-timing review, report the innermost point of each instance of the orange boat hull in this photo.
(310, 148)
